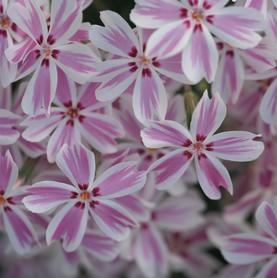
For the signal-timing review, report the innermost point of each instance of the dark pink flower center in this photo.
(86, 196)
(73, 112)
(197, 148)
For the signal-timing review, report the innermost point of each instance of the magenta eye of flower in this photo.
(85, 195)
(198, 147)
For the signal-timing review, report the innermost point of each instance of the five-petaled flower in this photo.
(85, 197)
(201, 145)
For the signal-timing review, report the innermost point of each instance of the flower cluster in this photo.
(137, 150)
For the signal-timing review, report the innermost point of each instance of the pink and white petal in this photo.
(176, 109)
(170, 39)
(155, 13)
(30, 18)
(66, 90)
(170, 168)
(8, 173)
(8, 118)
(8, 135)
(117, 37)
(173, 213)
(78, 61)
(41, 89)
(66, 18)
(172, 68)
(100, 246)
(19, 229)
(246, 248)
(112, 219)
(236, 146)
(266, 216)
(245, 24)
(268, 107)
(40, 126)
(135, 206)
(259, 5)
(271, 25)
(237, 271)
(229, 77)
(78, 164)
(269, 269)
(200, 56)
(212, 175)
(208, 115)
(120, 180)
(149, 98)
(100, 131)
(66, 133)
(117, 78)
(82, 34)
(214, 4)
(62, 226)
(87, 97)
(165, 134)
(150, 252)
(47, 195)
(18, 52)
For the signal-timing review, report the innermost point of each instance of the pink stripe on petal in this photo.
(208, 115)
(150, 252)
(100, 246)
(41, 89)
(229, 78)
(172, 214)
(165, 134)
(19, 229)
(33, 150)
(66, 133)
(101, 131)
(259, 5)
(155, 13)
(46, 195)
(78, 61)
(268, 108)
(267, 218)
(120, 180)
(62, 226)
(246, 249)
(236, 146)
(78, 164)
(8, 135)
(66, 17)
(200, 57)
(245, 24)
(149, 99)
(112, 219)
(170, 39)
(170, 168)
(117, 37)
(40, 126)
(8, 173)
(212, 175)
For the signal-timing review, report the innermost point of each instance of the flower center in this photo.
(2, 200)
(73, 112)
(197, 15)
(198, 147)
(5, 22)
(145, 61)
(85, 195)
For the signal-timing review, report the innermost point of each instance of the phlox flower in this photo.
(47, 50)
(76, 117)
(258, 249)
(14, 220)
(187, 26)
(131, 68)
(201, 145)
(85, 197)
(147, 244)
